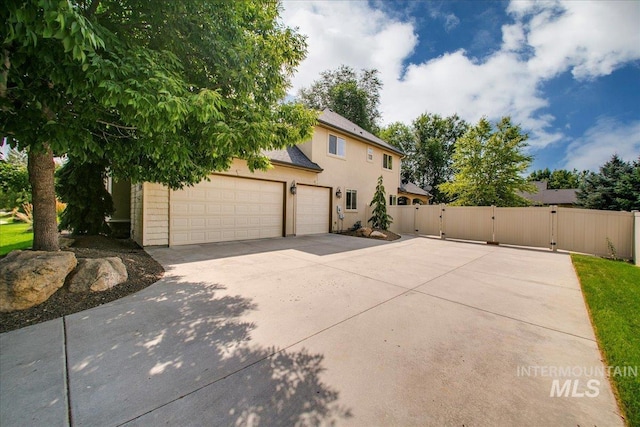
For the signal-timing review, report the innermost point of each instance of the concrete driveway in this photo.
(319, 330)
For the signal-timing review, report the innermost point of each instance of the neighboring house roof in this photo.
(291, 156)
(336, 121)
(411, 188)
(551, 197)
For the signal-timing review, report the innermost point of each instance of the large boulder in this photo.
(98, 274)
(29, 278)
(378, 235)
(363, 232)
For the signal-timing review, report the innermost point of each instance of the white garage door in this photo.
(225, 209)
(312, 210)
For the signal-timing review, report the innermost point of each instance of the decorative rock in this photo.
(29, 278)
(364, 231)
(378, 234)
(97, 275)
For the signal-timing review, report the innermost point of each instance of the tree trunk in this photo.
(43, 192)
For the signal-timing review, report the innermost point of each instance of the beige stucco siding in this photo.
(353, 172)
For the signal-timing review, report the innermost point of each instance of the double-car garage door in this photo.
(230, 208)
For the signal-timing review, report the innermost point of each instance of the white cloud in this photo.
(591, 38)
(606, 138)
(544, 39)
(350, 33)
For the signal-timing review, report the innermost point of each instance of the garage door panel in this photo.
(226, 209)
(312, 210)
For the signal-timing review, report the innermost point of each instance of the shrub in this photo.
(380, 218)
(81, 186)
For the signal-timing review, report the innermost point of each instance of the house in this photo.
(411, 194)
(319, 186)
(545, 196)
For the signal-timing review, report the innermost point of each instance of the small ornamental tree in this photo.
(81, 186)
(380, 218)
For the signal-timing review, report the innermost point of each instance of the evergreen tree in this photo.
(81, 186)
(615, 187)
(380, 218)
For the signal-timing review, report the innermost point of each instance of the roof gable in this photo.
(336, 121)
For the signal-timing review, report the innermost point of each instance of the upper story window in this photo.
(352, 200)
(393, 200)
(337, 146)
(369, 154)
(387, 161)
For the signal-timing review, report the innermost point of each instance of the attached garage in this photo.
(226, 208)
(313, 210)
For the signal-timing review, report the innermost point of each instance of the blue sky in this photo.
(567, 71)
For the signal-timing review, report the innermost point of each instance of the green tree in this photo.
(15, 189)
(81, 186)
(353, 95)
(433, 156)
(164, 100)
(489, 165)
(558, 179)
(615, 187)
(428, 146)
(14, 184)
(379, 217)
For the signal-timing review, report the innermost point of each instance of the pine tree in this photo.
(380, 218)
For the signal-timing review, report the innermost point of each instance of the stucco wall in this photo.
(353, 172)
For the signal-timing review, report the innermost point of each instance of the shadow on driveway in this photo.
(189, 344)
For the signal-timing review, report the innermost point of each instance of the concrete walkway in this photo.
(318, 330)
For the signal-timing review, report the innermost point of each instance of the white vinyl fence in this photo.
(577, 230)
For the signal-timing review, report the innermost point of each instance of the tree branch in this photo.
(116, 126)
(92, 8)
(5, 74)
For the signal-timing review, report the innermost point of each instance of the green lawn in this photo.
(15, 236)
(612, 291)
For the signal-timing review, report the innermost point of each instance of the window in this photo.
(369, 154)
(352, 200)
(393, 200)
(337, 146)
(387, 162)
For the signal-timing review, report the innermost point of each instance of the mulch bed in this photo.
(141, 268)
(390, 235)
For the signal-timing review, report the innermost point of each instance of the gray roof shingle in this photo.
(291, 156)
(336, 121)
(411, 188)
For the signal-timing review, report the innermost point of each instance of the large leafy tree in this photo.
(166, 91)
(429, 145)
(489, 164)
(558, 179)
(615, 187)
(354, 95)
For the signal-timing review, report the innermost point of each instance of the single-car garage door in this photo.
(226, 208)
(312, 210)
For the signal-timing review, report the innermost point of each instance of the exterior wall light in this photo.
(293, 188)
(339, 193)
